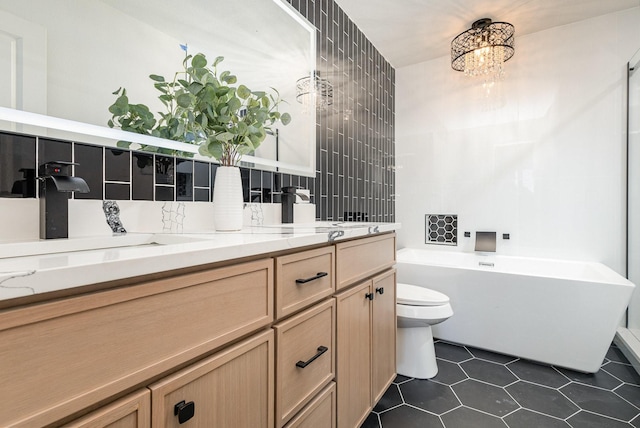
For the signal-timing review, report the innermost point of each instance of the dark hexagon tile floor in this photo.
(482, 389)
(493, 373)
(484, 397)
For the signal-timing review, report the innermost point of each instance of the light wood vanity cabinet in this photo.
(60, 357)
(233, 388)
(366, 345)
(264, 343)
(319, 413)
(383, 333)
(366, 327)
(304, 278)
(133, 411)
(353, 374)
(361, 258)
(305, 358)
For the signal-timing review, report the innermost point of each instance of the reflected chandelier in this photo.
(314, 92)
(483, 49)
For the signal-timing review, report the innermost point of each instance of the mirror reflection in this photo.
(64, 58)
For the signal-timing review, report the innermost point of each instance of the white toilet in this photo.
(418, 308)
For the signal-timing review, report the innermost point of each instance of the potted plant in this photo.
(204, 107)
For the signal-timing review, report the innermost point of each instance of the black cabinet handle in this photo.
(305, 280)
(369, 296)
(184, 411)
(380, 290)
(303, 364)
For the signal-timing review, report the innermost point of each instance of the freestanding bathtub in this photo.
(557, 312)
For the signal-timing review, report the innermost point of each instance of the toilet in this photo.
(417, 309)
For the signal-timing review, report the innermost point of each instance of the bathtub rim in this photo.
(608, 275)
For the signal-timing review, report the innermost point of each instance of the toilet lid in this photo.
(419, 296)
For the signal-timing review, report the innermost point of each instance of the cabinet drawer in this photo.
(361, 258)
(133, 411)
(233, 388)
(320, 413)
(97, 345)
(303, 278)
(305, 355)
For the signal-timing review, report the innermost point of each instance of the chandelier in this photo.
(314, 92)
(483, 49)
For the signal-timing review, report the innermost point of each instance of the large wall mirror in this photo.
(64, 58)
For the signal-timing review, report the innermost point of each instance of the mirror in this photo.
(64, 58)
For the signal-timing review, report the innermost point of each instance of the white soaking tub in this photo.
(557, 312)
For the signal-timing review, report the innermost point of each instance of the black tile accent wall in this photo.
(354, 142)
(201, 174)
(121, 174)
(17, 166)
(201, 195)
(117, 191)
(142, 168)
(53, 150)
(184, 180)
(90, 167)
(117, 165)
(245, 175)
(164, 193)
(165, 170)
(355, 137)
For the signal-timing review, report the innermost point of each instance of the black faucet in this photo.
(56, 183)
(288, 199)
(486, 242)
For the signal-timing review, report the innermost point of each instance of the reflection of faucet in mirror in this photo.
(25, 187)
(56, 183)
(289, 195)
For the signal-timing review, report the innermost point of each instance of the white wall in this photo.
(542, 158)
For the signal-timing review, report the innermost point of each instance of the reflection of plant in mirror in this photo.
(175, 124)
(203, 108)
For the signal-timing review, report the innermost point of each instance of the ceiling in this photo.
(411, 31)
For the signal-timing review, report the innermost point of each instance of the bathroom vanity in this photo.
(276, 328)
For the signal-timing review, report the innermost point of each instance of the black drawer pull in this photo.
(305, 280)
(380, 290)
(369, 296)
(303, 364)
(184, 411)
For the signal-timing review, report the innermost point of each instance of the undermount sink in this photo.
(55, 246)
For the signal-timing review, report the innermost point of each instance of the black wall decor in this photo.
(354, 142)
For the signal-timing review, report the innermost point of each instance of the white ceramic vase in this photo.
(227, 199)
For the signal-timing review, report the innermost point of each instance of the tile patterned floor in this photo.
(480, 389)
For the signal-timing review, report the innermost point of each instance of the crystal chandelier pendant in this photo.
(482, 50)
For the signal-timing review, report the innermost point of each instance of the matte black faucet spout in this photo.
(56, 183)
(486, 242)
(288, 199)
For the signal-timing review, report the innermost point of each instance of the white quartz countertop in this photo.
(36, 267)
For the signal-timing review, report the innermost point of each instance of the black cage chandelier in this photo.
(483, 49)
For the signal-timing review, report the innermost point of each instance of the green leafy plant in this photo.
(203, 107)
